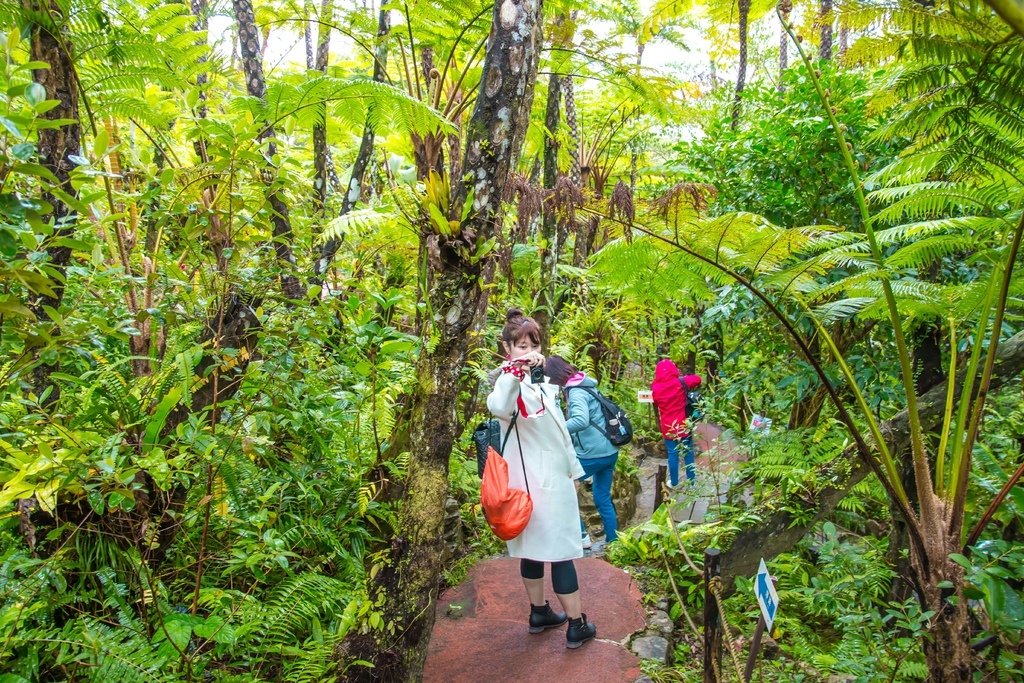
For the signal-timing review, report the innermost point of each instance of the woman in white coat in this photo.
(540, 453)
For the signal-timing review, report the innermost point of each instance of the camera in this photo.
(537, 374)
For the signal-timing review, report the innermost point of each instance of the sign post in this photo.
(768, 600)
(646, 396)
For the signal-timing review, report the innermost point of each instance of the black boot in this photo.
(579, 632)
(544, 617)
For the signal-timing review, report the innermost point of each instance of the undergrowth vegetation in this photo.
(249, 303)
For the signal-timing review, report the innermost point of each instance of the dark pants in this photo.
(563, 574)
(603, 470)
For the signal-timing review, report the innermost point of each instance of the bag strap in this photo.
(515, 425)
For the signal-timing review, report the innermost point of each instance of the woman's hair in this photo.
(518, 326)
(559, 370)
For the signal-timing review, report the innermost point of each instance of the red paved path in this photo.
(481, 630)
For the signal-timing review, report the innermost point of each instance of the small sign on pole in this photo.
(767, 598)
(643, 396)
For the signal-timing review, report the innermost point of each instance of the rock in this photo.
(663, 605)
(652, 647)
(662, 623)
(624, 492)
(769, 648)
(643, 679)
(453, 535)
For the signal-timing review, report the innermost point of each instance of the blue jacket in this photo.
(584, 412)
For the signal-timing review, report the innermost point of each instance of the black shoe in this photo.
(579, 632)
(542, 618)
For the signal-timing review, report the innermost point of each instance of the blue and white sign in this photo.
(767, 598)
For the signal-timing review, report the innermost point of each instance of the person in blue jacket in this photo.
(585, 424)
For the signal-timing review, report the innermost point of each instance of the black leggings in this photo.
(563, 574)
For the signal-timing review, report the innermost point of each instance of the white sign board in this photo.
(767, 598)
(645, 396)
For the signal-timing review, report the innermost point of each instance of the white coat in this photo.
(553, 533)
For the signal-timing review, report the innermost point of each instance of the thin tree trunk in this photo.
(572, 123)
(52, 44)
(307, 37)
(455, 287)
(365, 154)
(202, 23)
(321, 160)
(825, 47)
(741, 78)
(256, 85)
(783, 57)
(549, 233)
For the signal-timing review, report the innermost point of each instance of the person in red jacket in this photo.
(669, 390)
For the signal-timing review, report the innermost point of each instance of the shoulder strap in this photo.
(515, 425)
(596, 395)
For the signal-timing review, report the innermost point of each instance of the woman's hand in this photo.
(532, 359)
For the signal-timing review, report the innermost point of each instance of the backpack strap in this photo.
(595, 395)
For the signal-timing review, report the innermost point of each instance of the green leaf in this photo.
(440, 222)
(961, 560)
(159, 418)
(11, 128)
(100, 144)
(179, 631)
(36, 170)
(96, 502)
(11, 306)
(35, 94)
(467, 206)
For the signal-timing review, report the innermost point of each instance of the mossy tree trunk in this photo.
(457, 292)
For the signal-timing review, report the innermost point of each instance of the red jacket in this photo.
(670, 398)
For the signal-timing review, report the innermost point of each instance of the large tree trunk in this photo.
(456, 286)
(56, 147)
(779, 530)
(355, 184)
(741, 77)
(947, 649)
(256, 86)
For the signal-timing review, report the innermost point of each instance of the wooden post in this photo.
(712, 620)
(755, 645)
(659, 486)
(748, 671)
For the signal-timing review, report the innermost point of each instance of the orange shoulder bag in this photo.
(507, 510)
